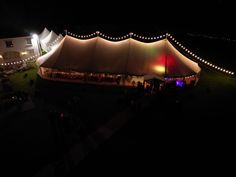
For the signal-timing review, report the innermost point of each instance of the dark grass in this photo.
(35, 138)
(147, 145)
(22, 81)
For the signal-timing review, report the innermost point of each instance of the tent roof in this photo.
(49, 38)
(128, 56)
(43, 34)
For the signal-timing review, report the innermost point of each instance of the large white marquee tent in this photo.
(125, 57)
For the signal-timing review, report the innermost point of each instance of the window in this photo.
(28, 41)
(9, 43)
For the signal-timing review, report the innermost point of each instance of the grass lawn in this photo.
(147, 141)
(213, 97)
(20, 81)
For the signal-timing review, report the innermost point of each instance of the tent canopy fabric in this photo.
(44, 33)
(47, 41)
(128, 56)
(49, 38)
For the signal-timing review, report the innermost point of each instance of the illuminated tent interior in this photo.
(75, 59)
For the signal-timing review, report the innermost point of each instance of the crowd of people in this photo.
(99, 78)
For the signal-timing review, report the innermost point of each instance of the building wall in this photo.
(23, 47)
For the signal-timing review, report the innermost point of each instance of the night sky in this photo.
(23, 17)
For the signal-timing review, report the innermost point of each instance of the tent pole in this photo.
(127, 60)
(165, 59)
(40, 71)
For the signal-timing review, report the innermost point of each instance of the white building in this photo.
(18, 49)
(17, 52)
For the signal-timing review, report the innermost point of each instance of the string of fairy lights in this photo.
(167, 35)
(56, 41)
(20, 61)
(135, 36)
(209, 64)
(130, 35)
